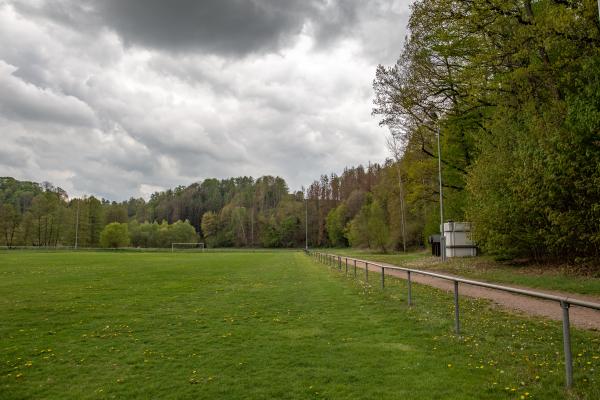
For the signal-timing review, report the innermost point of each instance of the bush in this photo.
(114, 235)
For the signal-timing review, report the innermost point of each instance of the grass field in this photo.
(486, 269)
(260, 326)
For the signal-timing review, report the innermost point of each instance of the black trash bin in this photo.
(436, 248)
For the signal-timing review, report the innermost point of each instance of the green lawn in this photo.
(260, 325)
(486, 269)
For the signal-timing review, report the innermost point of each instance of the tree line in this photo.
(236, 212)
(354, 208)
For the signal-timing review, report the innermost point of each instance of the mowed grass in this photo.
(487, 269)
(260, 326)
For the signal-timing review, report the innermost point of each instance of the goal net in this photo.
(187, 247)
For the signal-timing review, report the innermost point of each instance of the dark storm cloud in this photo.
(225, 27)
(216, 26)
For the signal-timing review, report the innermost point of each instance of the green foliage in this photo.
(182, 232)
(369, 228)
(143, 235)
(161, 235)
(377, 228)
(210, 227)
(336, 225)
(115, 235)
(357, 230)
(116, 213)
(513, 88)
(9, 222)
(270, 236)
(534, 189)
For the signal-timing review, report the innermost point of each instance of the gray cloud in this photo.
(13, 156)
(118, 98)
(225, 27)
(215, 26)
(26, 101)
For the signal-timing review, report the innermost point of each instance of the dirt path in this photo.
(579, 316)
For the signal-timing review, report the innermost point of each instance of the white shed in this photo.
(457, 236)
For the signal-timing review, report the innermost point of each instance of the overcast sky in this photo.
(120, 98)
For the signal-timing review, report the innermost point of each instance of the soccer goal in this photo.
(187, 246)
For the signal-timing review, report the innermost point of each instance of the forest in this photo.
(512, 90)
(235, 212)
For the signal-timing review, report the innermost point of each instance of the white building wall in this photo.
(457, 236)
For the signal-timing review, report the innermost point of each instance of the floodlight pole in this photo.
(306, 220)
(77, 224)
(442, 237)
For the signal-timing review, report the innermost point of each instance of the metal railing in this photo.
(565, 302)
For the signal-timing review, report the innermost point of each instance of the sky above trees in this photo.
(123, 98)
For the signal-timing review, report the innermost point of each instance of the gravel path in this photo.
(579, 316)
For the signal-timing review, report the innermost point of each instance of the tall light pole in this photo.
(306, 219)
(77, 225)
(442, 238)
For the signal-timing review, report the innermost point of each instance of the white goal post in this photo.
(187, 246)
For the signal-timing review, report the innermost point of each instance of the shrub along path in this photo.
(579, 316)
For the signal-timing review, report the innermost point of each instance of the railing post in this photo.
(346, 273)
(567, 344)
(409, 290)
(340, 263)
(366, 271)
(383, 277)
(355, 268)
(456, 311)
